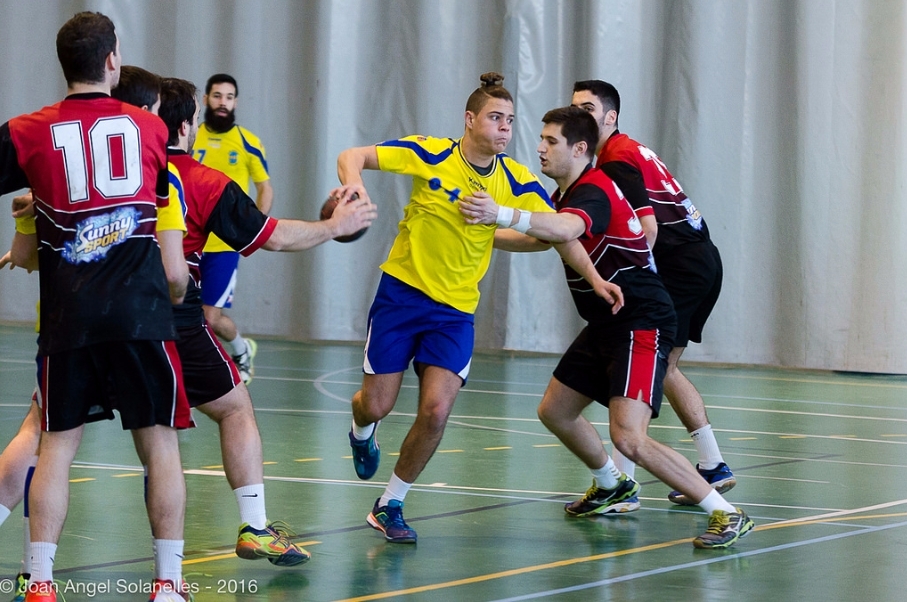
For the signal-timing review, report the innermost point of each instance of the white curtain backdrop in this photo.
(784, 120)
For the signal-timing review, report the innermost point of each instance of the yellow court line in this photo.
(233, 554)
(308, 459)
(514, 572)
(128, 474)
(547, 445)
(496, 448)
(831, 517)
(83, 480)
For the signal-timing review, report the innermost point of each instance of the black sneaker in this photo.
(598, 500)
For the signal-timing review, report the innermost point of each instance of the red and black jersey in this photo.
(627, 161)
(98, 171)
(617, 247)
(214, 203)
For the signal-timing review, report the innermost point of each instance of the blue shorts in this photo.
(218, 271)
(405, 324)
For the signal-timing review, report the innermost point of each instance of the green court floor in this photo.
(820, 459)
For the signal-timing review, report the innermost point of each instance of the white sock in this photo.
(168, 560)
(42, 561)
(397, 489)
(237, 345)
(607, 476)
(251, 500)
(707, 446)
(361, 433)
(4, 513)
(714, 501)
(623, 463)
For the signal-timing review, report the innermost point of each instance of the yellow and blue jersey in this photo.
(173, 216)
(436, 251)
(239, 154)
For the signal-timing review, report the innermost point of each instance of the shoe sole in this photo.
(721, 487)
(698, 544)
(251, 553)
(374, 524)
(618, 508)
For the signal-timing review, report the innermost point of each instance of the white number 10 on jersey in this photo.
(116, 158)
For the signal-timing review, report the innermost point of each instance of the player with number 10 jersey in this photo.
(98, 170)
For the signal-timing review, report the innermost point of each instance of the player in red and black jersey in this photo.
(98, 169)
(214, 203)
(619, 358)
(687, 261)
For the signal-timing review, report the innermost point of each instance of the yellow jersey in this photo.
(239, 154)
(173, 216)
(436, 251)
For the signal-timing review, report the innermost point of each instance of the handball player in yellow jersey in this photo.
(428, 293)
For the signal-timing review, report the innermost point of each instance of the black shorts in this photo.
(692, 274)
(142, 380)
(208, 371)
(602, 365)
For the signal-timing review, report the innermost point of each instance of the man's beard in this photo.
(219, 124)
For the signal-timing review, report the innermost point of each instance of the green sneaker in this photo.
(21, 587)
(272, 542)
(606, 501)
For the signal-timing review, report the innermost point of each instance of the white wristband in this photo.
(523, 225)
(505, 216)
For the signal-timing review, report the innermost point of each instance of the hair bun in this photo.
(491, 79)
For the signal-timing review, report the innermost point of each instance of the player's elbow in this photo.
(178, 282)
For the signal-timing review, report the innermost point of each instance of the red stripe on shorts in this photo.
(642, 365)
(181, 415)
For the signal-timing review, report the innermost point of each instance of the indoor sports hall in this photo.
(786, 124)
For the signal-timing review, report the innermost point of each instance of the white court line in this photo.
(442, 488)
(796, 459)
(810, 414)
(689, 565)
(753, 476)
(805, 402)
(597, 424)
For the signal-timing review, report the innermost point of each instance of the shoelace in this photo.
(717, 524)
(282, 529)
(395, 518)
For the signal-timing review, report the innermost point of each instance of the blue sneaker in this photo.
(389, 520)
(720, 478)
(366, 454)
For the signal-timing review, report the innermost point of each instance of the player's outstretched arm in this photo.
(352, 161)
(349, 217)
(514, 242)
(577, 258)
(480, 208)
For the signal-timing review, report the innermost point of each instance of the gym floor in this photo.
(819, 457)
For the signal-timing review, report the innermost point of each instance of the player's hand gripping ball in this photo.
(327, 210)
